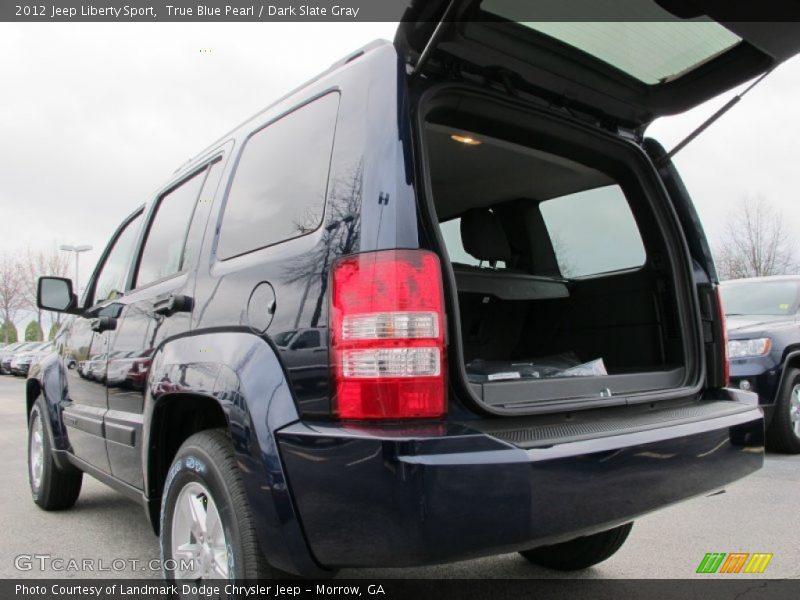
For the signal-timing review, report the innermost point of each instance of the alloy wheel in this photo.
(199, 547)
(36, 452)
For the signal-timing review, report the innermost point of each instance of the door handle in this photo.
(172, 304)
(101, 324)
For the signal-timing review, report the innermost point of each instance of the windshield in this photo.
(773, 298)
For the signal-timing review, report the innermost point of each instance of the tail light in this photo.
(387, 336)
(726, 362)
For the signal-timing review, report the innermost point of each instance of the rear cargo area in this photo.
(563, 273)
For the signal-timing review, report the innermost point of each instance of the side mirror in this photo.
(55, 293)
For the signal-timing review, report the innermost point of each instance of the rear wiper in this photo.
(705, 124)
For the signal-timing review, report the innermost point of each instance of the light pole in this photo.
(77, 250)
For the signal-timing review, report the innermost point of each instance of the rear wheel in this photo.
(580, 553)
(51, 488)
(207, 529)
(783, 433)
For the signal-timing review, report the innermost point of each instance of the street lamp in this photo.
(77, 250)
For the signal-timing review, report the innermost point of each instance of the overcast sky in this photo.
(94, 117)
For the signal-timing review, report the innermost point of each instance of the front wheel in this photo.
(207, 529)
(51, 488)
(580, 553)
(783, 433)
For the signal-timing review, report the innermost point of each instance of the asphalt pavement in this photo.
(757, 514)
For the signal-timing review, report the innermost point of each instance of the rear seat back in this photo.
(483, 237)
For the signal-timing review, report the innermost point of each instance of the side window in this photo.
(278, 191)
(163, 252)
(307, 339)
(593, 232)
(110, 281)
(195, 234)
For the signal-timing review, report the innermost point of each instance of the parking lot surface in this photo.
(757, 514)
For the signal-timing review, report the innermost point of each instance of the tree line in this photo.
(19, 275)
(756, 241)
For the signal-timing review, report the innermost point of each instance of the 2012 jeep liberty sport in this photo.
(443, 301)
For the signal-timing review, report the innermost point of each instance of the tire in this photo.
(783, 433)
(204, 479)
(580, 553)
(51, 488)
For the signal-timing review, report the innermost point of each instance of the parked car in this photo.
(122, 367)
(763, 317)
(9, 353)
(21, 362)
(304, 354)
(87, 368)
(514, 298)
(7, 350)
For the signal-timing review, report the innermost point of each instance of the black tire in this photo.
(207, 458)
(56, 489)
(580, 553)
(782, 433)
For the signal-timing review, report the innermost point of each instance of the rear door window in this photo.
(593, 232)
(163, 253)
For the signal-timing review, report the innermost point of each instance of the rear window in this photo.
(653, 47)
(278, 191)
(593, 232)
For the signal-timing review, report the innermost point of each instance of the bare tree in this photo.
(756, 243)
(33, 267)
(564, 258)
(340, 236)
(12, 289)
(38, 263)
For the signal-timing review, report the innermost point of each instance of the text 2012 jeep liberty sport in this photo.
(443, 301)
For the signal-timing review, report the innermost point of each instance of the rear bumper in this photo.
(425, 494)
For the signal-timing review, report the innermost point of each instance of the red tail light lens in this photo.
(726, 361)
(387, 336)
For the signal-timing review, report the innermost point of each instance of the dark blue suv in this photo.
(443, 301)
(764, 349)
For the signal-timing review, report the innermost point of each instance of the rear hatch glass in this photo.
(629, 61)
